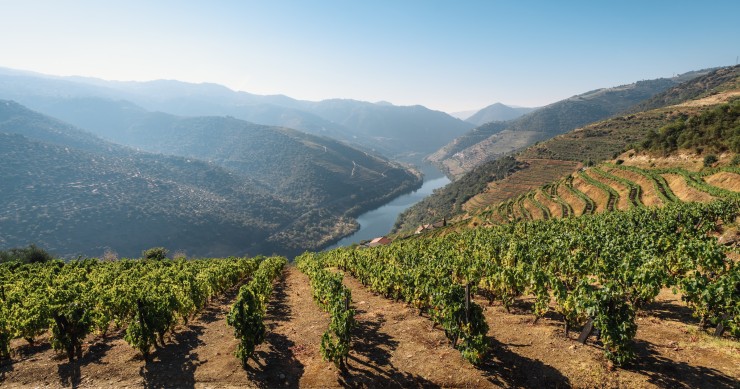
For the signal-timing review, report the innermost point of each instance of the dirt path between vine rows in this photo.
(395, 347)
(392, 347)
(199, 354)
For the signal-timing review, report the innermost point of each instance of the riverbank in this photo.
(379, 221)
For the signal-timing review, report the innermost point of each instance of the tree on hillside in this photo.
(30, 254)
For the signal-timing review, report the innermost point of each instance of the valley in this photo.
(622, 232)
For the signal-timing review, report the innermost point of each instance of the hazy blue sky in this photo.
(447, 55)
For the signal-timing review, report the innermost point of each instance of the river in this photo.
(379, 221)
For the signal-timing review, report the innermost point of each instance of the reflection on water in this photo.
(379, 221)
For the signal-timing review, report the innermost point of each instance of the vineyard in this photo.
(457, 298)
(609, 187)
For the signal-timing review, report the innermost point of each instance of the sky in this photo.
(446, 55)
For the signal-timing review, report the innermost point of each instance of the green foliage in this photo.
(332, 296)
(30, 254)
(710, 160)
(248, 311)
(605, 267)
(155, 253)
(717, 129)
(147, 297)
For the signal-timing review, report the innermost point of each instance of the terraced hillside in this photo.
(611, 187)
(558, 157)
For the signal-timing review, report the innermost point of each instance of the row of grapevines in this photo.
(659, 183)
(545, 211)
(635, 191)
(332, 296)
(248, 312)
(589, 206)
(399, 273)
(602, 267)
(72, 299)
(694, 180)
(612, 195)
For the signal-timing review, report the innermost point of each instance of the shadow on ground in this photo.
(370, 363)
(506, 368)
(278, 366)
(173, 366)
(666, 373)
(69, 372)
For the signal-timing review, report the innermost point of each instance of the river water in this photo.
(379, 221)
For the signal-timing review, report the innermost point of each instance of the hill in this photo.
(406, 133)
(497, 113)
(309, 169)
(309, 202)
(560, 156)
(495, 139)
(73, 202)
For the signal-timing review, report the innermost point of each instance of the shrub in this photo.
(710, 159)
(30, 254)
(155, 253)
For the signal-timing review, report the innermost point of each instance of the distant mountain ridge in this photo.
(407, 133)
(497, 112)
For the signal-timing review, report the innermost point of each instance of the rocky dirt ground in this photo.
(393, 347)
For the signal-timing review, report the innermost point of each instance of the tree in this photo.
(710, 159)
(30, 254)
(155, 253)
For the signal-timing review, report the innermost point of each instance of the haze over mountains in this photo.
(497, 112)
(265, 190)
(175, 164)
(401, 133)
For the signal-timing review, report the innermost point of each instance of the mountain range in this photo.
(497, 112)
(270, 190)
(406, 133)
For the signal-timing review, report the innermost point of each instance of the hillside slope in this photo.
(309, 202)
(306, 168)
(562, 155)
(74, 202)
(495, 139)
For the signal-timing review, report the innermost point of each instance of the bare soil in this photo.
(575, 202)
(555, 209)
(538, 172)
(683, 191)
(623, 190)
(719, 98)
(725, 180)
(598, 195)
(393, 347)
